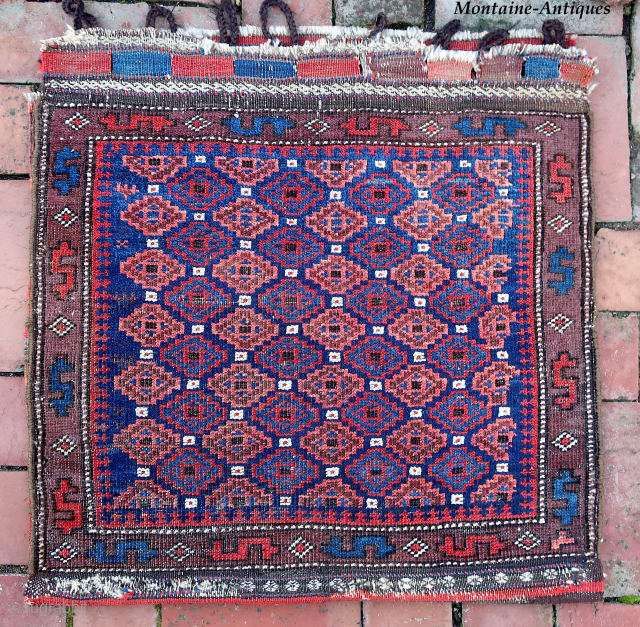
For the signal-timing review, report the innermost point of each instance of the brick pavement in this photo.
(612, 38)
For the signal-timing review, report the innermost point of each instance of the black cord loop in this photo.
(157, 11)
(493, 38)
(76, 8)
(227, 18)
(379, 25)
(444, 35)
(284, 7)
(553, 32)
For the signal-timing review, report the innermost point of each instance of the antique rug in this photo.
(312, 322)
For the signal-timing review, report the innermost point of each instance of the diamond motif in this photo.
(548, 128)
(193, 356)
(416, 441)
(528, 541)
(150, 325)
(64, 445)
(332, 386)
(336, 274)
(417, 329)
(241, 385)
(65, 552)
(317, 126)
(334, 329)
(146, 383)
(300, 547)
(197, 299)
(286, 471)
(332, 443)
(66, 217)
(246, 169)
(565, 441)
(459, 469)
(336, 222)
(152, 269)
(199, 243)
(197, 123)
(193, 411)
(376, 471)
(285, 413)
(61, 326)
(245, 328)
(153, 215)
(416, 385)
(246, 218)
(291, 301)
(431, 128)
(288, 357)
(559, 223)
(560, 323)
(77, 122)
(236, 441)
(180, 552)
(189, 472)
(245, 271)
(415, 547)
(375, 357)
(146, 441)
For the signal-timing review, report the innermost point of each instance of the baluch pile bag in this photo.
(313, 321)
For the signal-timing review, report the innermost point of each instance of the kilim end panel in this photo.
(312, 323)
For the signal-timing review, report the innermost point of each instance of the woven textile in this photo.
(312, 321)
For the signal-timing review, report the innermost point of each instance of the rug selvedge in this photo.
(347, 345)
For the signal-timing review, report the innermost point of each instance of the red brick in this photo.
(617, 257)
(14, 612)
(610, 153)
(487, 615)
(398, 613)
(305, 13)
(14, 130)
(14, 518)
(598, 615)
(618, 356)
(13, 422)
(25, 24)
(112, 615)
(330, 614)
(620, 549)
(15, 221)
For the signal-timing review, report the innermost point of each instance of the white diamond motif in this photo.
(197, 123)
(559, 223)
(565, 441)
(548, 128)
(431, 128)
(61, 326)
(64, 445)
(66, 217)
(180, 552)
(300, 547)
(528, 541)
(317, 126)
(415, 547)
(77, 122)
(560, 323)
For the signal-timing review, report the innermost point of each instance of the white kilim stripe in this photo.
(436, 92)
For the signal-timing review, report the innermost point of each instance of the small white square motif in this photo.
(146, 353)
(291, 272)
(418, 356)
(285, 500)
(503, 298)
(193, 384)
(461, 218)
(152, 243)
(188, 440)
(458, 440)
(284, 384)
(143, 472)
(376, 442)
(462, 273)
(504, 411)
(332, 414)
(502, 355)
(465, 164)
(461, 328)
(142, 412)
(245, 191)
(415, 471)
(423, 247)
(381, 274)
(335, 194)
(198, 217)
(336, 301)
(332, 471)
(190, 503)
(244, 300)
(197, 328)
(153, 189)
(375, 386)
(240, 356)
(423, 193)
(380, 164)
(502, 467)
(459, 384)
(201, 159)
(198, 271)
(420, 302)
(285, 442)
(236, 414)
(372, 503)
(292, 329)
(292, 163)
(336, 248)
(335, 358)
(457, 499)
(381, 220)
(151, 297)
(292, 221)
(237, 471)
(245, 243)
(415, 413)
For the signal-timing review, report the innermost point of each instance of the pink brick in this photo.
(25, 24)
(14, 612)
(487, 615)
(618, 356)
(112, 615)
(610, 150)
(15, 221)
(305, 13)
(13, 422)
(598, 615)
(193, 17)
(14, 130)
(620, 549)
(634, 84)
(14, 518)
(330, 614)
(398, 613)
(617, 258)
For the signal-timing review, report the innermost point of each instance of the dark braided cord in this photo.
(284, 7)
(227, 19)
(493, 38)
(553, 32)
(444, 35)
(379, 25)
(76, 8)
(158, 11)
